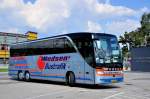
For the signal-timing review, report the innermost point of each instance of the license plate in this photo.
(113, 81)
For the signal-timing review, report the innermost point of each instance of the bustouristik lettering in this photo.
(55, 66)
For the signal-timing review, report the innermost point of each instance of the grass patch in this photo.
(3, 69)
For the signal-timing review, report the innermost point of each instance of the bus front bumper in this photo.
(108, 80)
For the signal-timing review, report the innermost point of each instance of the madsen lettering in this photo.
(55, 58)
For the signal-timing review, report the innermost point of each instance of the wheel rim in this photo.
(20, 76)
(27, 76)
(69, 79)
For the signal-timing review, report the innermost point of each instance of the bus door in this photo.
(85, 49)
(88, 63)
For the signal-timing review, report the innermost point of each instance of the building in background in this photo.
(140, 59)
(8, 38)
(31, 35)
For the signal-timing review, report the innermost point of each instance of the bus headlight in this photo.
(121, 72)
(99, 72)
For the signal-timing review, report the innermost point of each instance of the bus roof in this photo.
(76, 34)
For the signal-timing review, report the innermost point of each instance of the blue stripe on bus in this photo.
(12, 74)
(83, 78)
(110, 79)
(60, 77)
(36, 72)
(12, 70)
(50, 76)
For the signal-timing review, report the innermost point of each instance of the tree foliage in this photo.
(138, 37)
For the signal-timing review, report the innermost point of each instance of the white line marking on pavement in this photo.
(114, 95)
(136, 97)
(111, 91)
(59, 92)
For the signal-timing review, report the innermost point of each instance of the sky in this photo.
(53, 17)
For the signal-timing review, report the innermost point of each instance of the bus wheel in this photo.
(71, 79)
(20, 75)
(27, 76)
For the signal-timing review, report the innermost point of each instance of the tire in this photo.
(20, 75)
(27, 76)
(71, 79)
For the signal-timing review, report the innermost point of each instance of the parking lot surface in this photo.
(135, 86)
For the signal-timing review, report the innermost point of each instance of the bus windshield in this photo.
(107, 50)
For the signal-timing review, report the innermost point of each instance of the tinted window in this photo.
(85, 47)
(52, 46)
(18, 50)
(59, 43)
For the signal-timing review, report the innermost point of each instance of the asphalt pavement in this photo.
(135, 86)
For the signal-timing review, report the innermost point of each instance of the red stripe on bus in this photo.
(109, 74)
(21, 65)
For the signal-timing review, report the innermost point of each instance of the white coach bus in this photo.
(87, 58)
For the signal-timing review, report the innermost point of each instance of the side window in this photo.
(50, 43)
(51, 46)
(13, 51)
(18, 50)
(63, 45)
(23, 49)
(86, 50)
(68, 46)
(47, 46)
(38, 48)
(59, 43)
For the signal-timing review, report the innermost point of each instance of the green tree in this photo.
(137, 37)
(145, 26)
(145, 23)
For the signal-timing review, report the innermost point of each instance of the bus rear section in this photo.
(45, 59)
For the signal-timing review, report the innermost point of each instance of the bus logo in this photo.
(41, 63)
